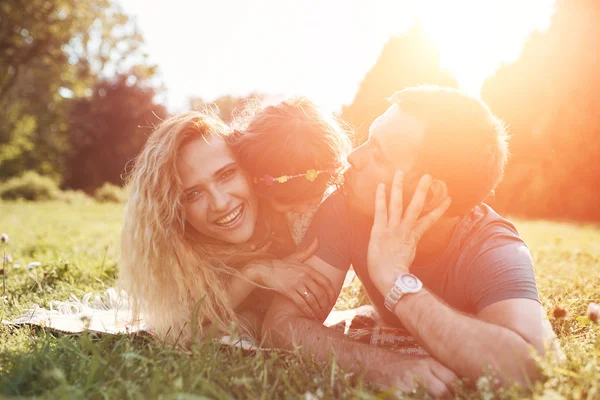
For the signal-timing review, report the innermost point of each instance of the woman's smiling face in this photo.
(218, 197)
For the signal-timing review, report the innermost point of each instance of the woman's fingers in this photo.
(395, 211)
(301, 303)
(306, 253)
(311, 301)
(423, 224)
(381, 218)
(414, 209)
(325, 283)
(320, 295)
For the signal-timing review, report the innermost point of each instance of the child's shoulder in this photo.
(299, 222)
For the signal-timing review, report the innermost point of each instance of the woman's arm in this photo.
(310, 290)
(240, 286)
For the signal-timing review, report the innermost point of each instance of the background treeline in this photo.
(76, 91)
(548, 98)
(78, 98)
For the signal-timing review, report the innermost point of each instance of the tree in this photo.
(408, 59)
(548, 100)
(51, 52)
(108, 129)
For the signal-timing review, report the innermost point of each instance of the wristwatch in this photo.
(404, 284)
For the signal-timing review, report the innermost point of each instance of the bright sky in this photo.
(320, 48)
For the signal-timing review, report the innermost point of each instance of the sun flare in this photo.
(475, 37)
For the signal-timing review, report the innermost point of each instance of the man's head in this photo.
(431, 130)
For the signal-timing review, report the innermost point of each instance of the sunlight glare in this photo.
(475, 37)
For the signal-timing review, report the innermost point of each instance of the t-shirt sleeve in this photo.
(331, 225)
(502, 269)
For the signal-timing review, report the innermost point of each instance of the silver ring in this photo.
(306, 293)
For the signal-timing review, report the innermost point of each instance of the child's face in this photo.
(297, 207)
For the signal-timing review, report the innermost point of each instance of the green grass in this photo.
(77, 245)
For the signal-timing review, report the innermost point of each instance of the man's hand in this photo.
(394, 236)
(406, 374)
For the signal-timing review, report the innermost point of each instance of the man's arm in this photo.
(500, 337)
(285, 326)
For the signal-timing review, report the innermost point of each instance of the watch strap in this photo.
(393, 297)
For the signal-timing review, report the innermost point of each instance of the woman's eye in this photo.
(192, 195)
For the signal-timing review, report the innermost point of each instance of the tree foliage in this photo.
(548, 99)
(108, 129)
(406, 60)
(52, 52)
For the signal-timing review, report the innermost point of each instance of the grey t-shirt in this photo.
(485, 262)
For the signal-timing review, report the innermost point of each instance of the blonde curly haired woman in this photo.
(191, 232)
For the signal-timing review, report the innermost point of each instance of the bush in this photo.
(30, 186)
(110, 193)
(75, 197)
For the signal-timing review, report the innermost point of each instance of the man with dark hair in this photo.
(468, 293)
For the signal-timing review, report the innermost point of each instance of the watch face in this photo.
(410, 282)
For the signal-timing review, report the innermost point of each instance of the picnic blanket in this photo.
(108, 312)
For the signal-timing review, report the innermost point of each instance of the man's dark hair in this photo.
(464, 144)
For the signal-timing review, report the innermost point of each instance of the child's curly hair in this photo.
(291, 138)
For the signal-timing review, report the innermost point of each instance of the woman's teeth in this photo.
(230, 218)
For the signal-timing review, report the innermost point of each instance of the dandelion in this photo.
(34, 264)
(4, 238)
(593, 312)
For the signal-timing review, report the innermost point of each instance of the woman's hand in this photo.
(310, 290)
(395, 234)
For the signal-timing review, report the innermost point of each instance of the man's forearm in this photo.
(465, 344)
(289, 331)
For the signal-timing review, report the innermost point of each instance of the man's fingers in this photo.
(395, 211)
(423, 224)
(305, 253)
(446, 376)
(437, 389)
(381, 218)
(418, 201)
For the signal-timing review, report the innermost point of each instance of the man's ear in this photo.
(438, 192)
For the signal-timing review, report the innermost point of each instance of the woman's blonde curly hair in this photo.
(167, 267)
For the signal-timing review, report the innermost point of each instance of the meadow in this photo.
(77, 247)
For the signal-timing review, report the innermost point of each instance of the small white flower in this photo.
(34, 264)
(4, 238)
(16, 266)
(310, 396)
